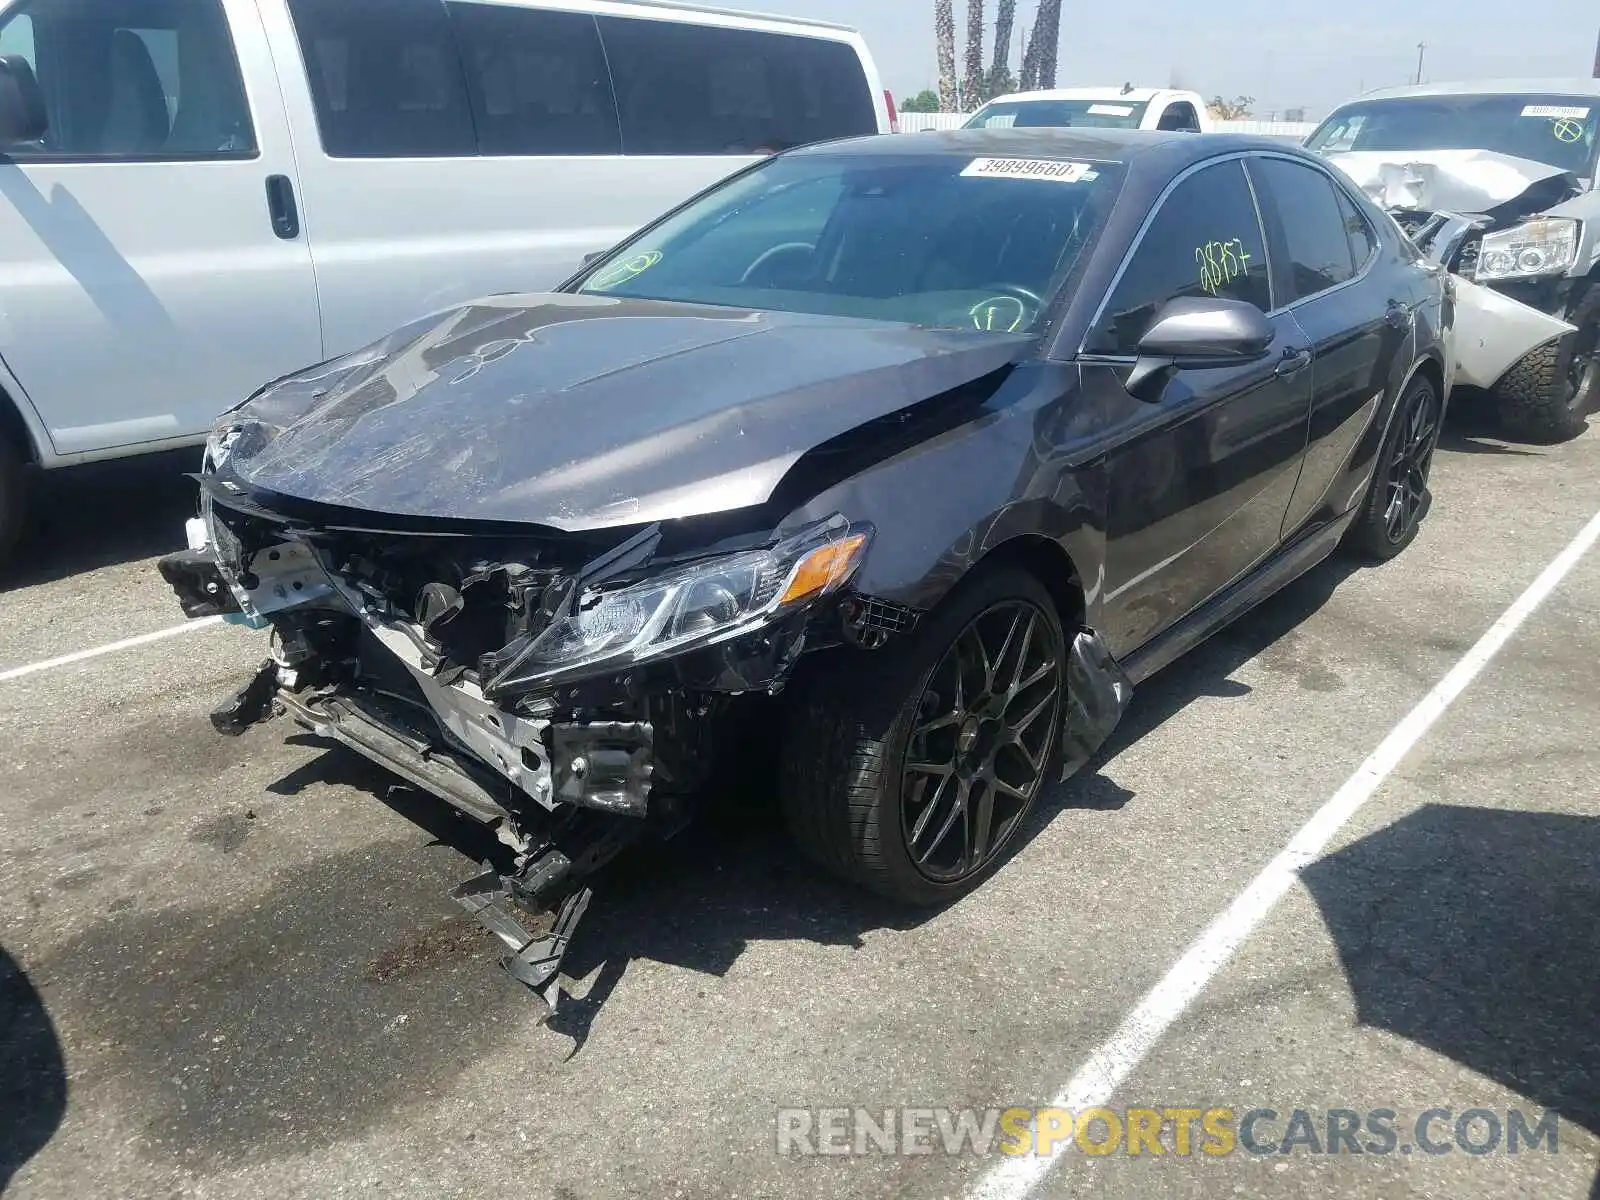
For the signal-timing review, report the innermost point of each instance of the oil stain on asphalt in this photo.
(282, 1021)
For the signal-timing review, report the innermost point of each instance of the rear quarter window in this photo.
(692, 89)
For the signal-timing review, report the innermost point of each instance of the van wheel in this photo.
(910, 770)
(1545, 396)
(13, 496)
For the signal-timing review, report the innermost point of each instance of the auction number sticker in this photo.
(1110, 110)
(1030, 168)
(1556, 112)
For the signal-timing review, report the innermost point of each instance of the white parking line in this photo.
(1098, 1079)
(66, 660)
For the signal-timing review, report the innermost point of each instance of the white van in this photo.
(198, 196)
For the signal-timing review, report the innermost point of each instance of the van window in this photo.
(132, 79)
(385, 78)
(695, 89)
(537, 80)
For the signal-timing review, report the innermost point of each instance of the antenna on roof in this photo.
(1126, 88)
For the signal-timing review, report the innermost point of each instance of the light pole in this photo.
(1422, 48)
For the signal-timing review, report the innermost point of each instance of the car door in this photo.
(1197, 480)
(155, 271)
(1357, 320)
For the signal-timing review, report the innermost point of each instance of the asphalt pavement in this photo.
(228, 967)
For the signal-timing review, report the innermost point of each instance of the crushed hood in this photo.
(1463, 181)
(581, 412)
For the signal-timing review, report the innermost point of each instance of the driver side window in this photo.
(1205, 240)
(1180, 118)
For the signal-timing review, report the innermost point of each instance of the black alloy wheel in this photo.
(1397, 498)
(976, 758)
(911, 770)
(1406, 475)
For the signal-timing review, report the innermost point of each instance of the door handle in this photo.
(281, 207)
(1292, 363)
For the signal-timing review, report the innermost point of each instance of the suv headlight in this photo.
(1543, 246)
(692, 607)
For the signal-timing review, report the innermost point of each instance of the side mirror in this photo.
(1194, 332)
(22, 114)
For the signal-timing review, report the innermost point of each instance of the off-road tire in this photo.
(1535, 399)
(13, 497)
(1368, 536)
(845, 736)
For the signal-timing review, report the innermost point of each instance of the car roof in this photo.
(1115, 145)
(1488, 87)
(1111, 94)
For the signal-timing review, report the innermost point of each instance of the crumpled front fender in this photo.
(1493, 332)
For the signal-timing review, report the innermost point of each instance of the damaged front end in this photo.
(569, 692)
(1520, 238)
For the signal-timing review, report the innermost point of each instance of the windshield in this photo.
(1080, 114)
(929, 240)
(1558, 131)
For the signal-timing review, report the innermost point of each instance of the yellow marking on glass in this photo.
(621, 272)
(1221, 263)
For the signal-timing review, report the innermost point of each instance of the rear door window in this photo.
(537, 80)
(1310, 224)
(695, 89)
(1205, 240)
(1363, 238)
(386, 78)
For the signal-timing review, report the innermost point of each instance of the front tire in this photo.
(1546, 395)
(910, 770)
(1398, 498)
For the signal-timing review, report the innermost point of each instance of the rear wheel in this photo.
(910, 770)
(1546, 395)
(1398, 497)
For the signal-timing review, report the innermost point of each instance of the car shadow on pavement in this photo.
(733, 877)
(102, 514)
(1472, 426)
(1475, 932)
(695, 901)
(33, 1077)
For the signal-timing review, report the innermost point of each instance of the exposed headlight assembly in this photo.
(692, 607)
(1543, 246)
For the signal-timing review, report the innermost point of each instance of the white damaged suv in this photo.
(1517, 157)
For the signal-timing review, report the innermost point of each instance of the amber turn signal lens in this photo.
(824, 568)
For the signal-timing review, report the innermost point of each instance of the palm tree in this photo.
(974, 82)
(944, 36)
(1049, 28)
(1000, 69)
(1039, 59)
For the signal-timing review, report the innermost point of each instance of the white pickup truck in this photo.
(1123, 107)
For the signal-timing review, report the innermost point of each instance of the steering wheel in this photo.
(773, 252)
(1007, 310)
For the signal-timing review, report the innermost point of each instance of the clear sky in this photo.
(1286, 53)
